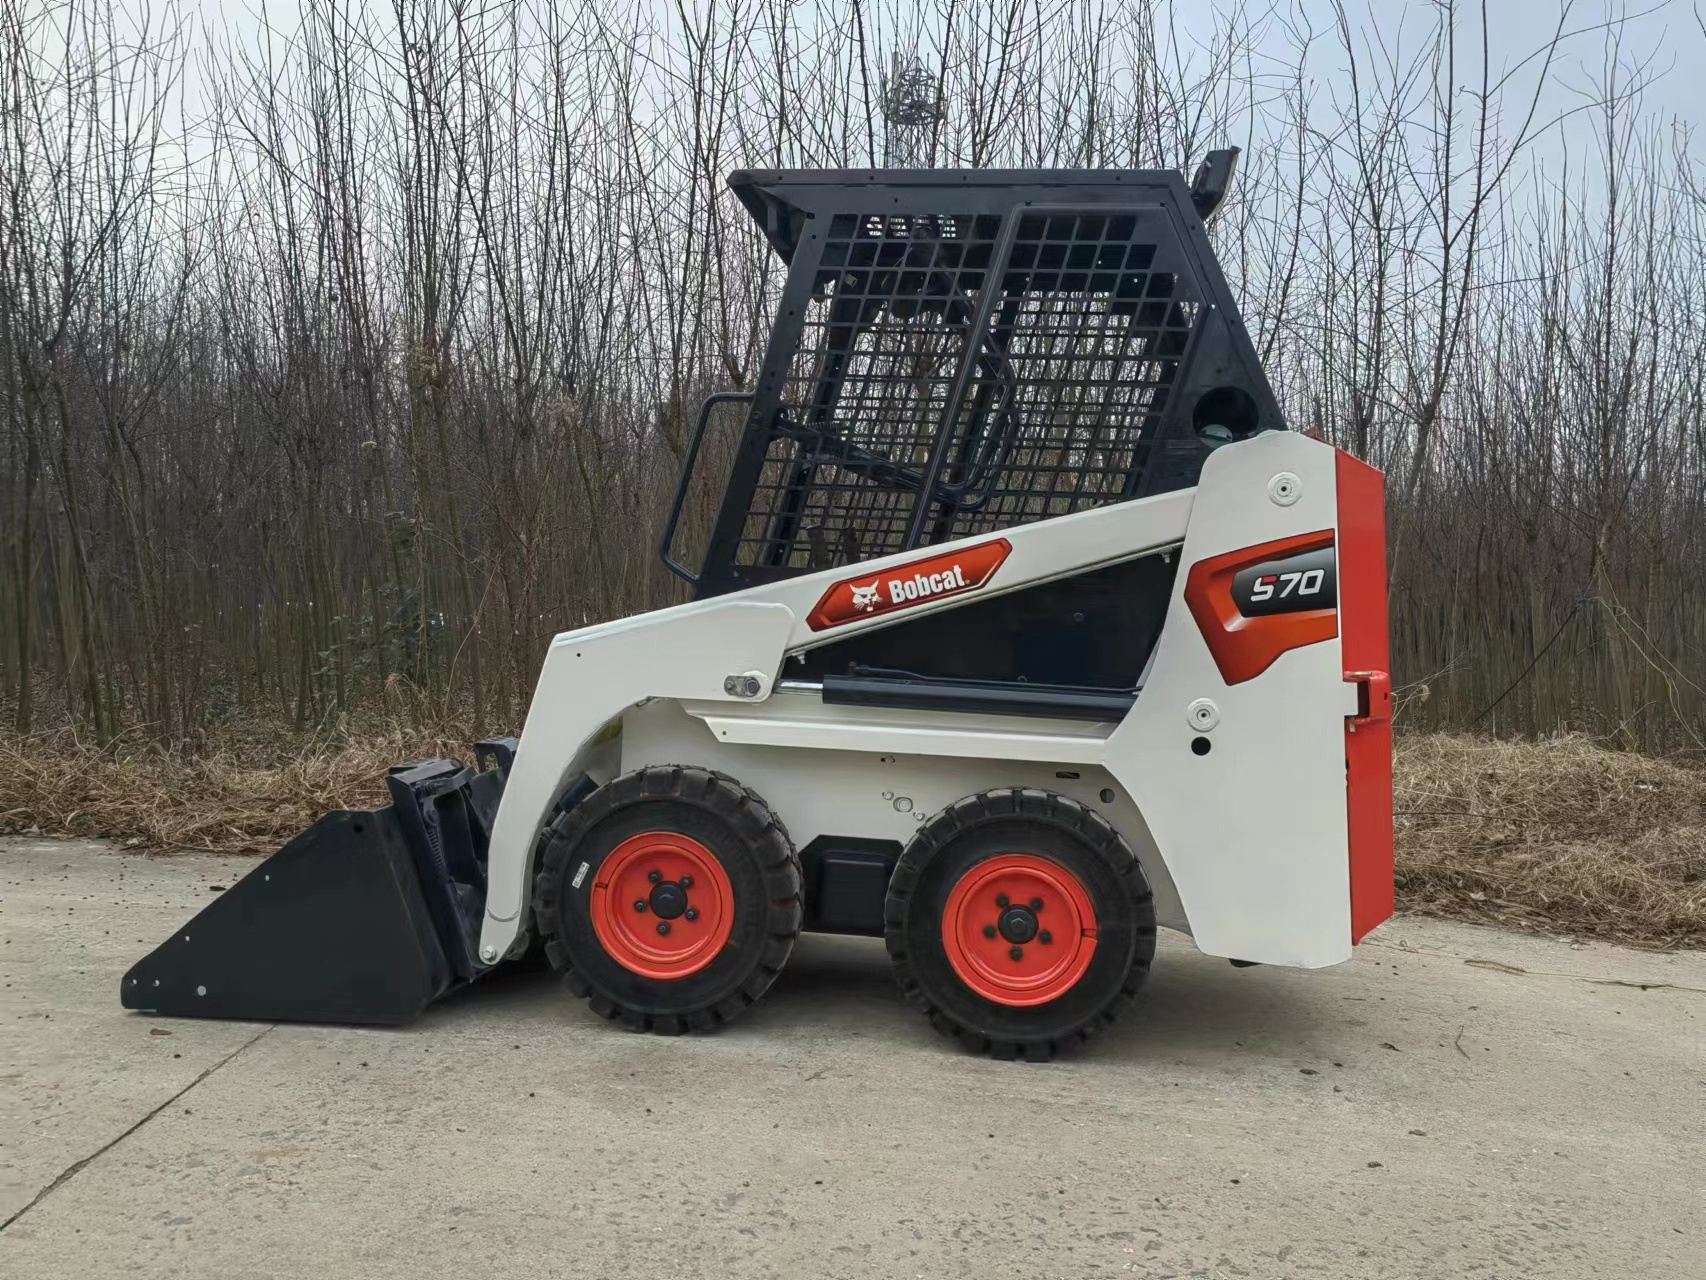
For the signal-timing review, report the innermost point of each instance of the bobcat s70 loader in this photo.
(1022, 626)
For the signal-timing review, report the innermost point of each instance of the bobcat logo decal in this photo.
(925, 581)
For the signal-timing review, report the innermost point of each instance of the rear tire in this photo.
(989, 971)
(669, 899)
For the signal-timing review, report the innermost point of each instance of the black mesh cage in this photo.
(960, 352)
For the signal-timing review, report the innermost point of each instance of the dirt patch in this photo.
(1560, 835)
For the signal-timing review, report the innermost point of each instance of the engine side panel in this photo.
(1254, 831)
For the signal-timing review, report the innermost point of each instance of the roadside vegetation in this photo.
(360, 353)
(1560, 835)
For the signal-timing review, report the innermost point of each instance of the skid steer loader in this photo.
(1022, 627)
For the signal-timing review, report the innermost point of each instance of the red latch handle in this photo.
(1379, 687)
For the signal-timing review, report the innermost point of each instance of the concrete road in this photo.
(1455, 1102)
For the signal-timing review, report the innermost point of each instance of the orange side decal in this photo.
(872, 594)
(1244, 647)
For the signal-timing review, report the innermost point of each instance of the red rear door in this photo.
(1367, 661)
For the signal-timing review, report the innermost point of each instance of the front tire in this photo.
(669, 899)
(1020, 923)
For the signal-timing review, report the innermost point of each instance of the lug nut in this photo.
(639, 904)
(692, 913)
(1002, 901)
(1045, 937)
(989, 931)
(686, 882)
(663, 926)
(654, 876)
(1036, 904)
(1018, 953)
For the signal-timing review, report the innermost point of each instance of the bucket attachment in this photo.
(363, 918)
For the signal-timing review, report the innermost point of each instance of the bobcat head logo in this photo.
(865, 598)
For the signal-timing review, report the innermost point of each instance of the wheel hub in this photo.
(662, 905)
(993, 936)
(1018, 924)
(668, 900)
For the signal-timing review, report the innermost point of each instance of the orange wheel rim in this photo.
(662, 905)
(1019, 930)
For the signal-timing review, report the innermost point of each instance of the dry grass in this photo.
(240, 796)
(1560, 835)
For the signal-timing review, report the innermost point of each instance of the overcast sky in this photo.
(1663, 38)
(1661, 43)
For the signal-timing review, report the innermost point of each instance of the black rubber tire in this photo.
(987, 825)
(754, 849)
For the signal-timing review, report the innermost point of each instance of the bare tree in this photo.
(343, 395)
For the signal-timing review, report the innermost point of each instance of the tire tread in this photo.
(746, 812)
(1031, 805)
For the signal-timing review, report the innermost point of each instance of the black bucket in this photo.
(363, 918)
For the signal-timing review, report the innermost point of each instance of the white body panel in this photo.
(1246, 847)
(1256, 832)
